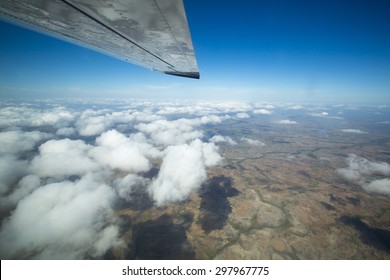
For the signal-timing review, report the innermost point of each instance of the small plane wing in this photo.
(150, 33)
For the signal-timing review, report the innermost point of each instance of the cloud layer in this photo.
(62, 220)
(62, 169)
(351, 130)
(286, 122)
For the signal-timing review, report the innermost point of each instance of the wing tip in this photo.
(193, 75)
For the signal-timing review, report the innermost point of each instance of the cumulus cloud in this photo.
(65, 220)
(379, 186)
(286, 122)
(28, 116)
(56, 193)
(222, 139)
(356, 131)
(262, 112)
(295, 107)
(13, 142)
(66, 131)
(242, 116)
(322, 114)
(11, 170)
(95, 122)
(61, 158)
(182, 171)
(24, 187)
(125, 186)
(252, 141)
(117, 151)
(362, 171)
(202, 108)
(165, 133)
(264, 105)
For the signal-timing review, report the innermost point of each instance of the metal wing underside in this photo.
(150, 33)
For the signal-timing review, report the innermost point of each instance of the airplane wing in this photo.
(150, 33)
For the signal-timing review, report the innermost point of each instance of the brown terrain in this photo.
(281, 200)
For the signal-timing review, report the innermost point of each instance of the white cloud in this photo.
(11, 170)
(286, 122)
(33, 117)
(322, 114)
(203, 108)
(50, 215)
(25, 186)
(356, 131)
(265, 106)
(252, 142)
(325, 115)
(242, 116)
(262, 112)
(62, 220)
(361, 171)
(167, 133)
(379, 186)
(117, 151)
(92, 123)
(62, 158)
(182, 171)
(176, 132)
(295, 107)
(95, 122)
(124, 186)
(222, 139)
(12, 142)
(66, 131)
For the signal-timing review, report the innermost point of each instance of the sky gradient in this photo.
(294, 51)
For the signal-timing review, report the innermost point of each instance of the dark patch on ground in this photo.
(242, 168)
(304, 173)
(327, 206)
(139, 200)
(376, 237)
(258, 169)
(280, 141)
(273, 189)
(262, 181)
(161, 239)
(337, 199)
(297, 188)
(355, 201)
(152, 173)
(230, 166)
(124, 225)
(109, 255)
(215, 206)
(185, 219)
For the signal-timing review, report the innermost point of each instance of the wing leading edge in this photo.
(150, 33)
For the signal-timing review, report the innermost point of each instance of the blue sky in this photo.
(296, 51)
